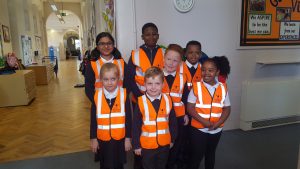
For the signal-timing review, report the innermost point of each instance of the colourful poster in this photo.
(270, 22)
(108, 16)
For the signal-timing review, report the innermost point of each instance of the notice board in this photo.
(270, 22)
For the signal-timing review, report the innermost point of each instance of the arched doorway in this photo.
(72, 44)
(57, 30)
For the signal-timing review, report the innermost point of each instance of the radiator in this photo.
(267, 103)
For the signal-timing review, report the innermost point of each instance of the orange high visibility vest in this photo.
(155, 128)
(111, 122)
(190, 80)
(176, 93)
(96, 66)
(142, 63)
(208, 107)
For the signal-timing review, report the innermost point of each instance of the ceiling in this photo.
(71, 22)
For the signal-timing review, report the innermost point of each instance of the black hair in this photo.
(222, 64)
(193, 42)
(149, 25)
(104, 34)
(95, 54)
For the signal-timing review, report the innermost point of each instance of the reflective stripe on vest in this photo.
(113, 126)
(178, 104)
(154, 134)
(147, 114)
(155, 129)
(211, 108)
(175, 92)
(184, 69)
(208, 106)
(142, 63)
(110, 124)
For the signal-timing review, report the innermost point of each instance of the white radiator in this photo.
(267, 103)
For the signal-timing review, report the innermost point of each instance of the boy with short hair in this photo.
(154, 121)
(192, 66)
(147, 55)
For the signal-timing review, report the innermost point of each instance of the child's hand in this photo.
(127, 144)
(186, 120)
(94, 145)
(138, 151)
(207, 124)
(214, 126)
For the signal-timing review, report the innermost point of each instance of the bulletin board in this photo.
(270, 23)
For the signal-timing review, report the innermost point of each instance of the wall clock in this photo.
(184, 5)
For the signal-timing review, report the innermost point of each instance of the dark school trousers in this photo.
(137, 162)
(177, 152)
(121, 167)
(203, 145)
(155, 158)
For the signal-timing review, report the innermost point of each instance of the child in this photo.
(209, 106)
(105, 52)
(192, 67)
(149, 54)
(111, 122)
(154, 121)
(174, 86)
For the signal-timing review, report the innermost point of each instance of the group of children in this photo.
(169, 111)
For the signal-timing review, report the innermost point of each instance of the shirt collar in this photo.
(110, 95)
(152, 99)
(173, 74)
(214, 86)
(145, 46)
(107, 61)
(190, 65)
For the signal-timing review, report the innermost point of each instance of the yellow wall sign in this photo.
(270, 22)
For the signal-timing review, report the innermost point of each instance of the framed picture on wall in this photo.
(2, 64)
(6, 35)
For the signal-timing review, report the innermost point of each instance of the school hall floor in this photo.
(56, 122)
(53, 132)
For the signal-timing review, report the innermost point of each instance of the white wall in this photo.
(16, 11)
(215, 23)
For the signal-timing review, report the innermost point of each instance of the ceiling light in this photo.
(53, 6)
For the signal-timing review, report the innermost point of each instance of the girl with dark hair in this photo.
(104, 52)
(209, 106)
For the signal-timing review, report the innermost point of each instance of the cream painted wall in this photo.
(215, 23)
(4, 20)
(16, 11)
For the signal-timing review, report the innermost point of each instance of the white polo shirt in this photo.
(192, 99)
